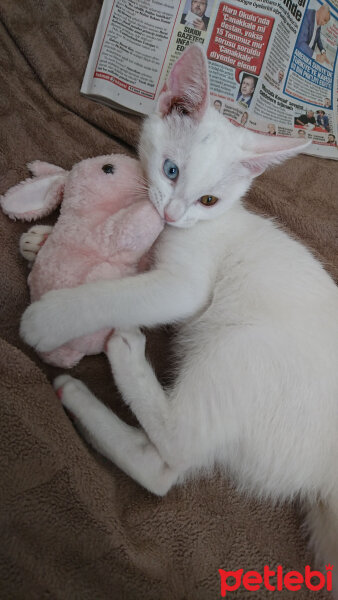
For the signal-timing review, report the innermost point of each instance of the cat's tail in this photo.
(322, 526)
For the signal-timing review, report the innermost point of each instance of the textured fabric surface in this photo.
(72, 525)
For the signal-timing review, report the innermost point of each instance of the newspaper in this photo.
(272, 63)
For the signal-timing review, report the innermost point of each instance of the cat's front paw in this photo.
(51, 321)
(126, 348)
(31, 241)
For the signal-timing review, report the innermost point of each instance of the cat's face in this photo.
(196, 162)
(192, 167)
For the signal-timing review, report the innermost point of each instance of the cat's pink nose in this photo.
(168, 219)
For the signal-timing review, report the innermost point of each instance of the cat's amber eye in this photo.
(208, 200)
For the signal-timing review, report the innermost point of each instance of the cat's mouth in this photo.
(182, 223)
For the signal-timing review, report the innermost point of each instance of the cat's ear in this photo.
(187, 87)
(263, 151)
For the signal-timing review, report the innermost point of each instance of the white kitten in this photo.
(257, 389)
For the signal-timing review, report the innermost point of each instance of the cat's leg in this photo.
(141, 389)
(129, 448)
(32, 240)
(148, 299)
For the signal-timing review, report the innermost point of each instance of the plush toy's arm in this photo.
(36, 197)
(131, 229)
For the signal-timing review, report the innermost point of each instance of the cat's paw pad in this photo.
(31, 241)
(126, 346)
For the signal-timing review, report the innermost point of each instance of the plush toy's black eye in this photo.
(109, 169)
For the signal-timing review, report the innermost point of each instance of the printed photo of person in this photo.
(279, 78)
(246, 89)
(244, 118)
(218, 105)
(309, 39)
(322, 120)
(306, 120)
(194, 14)
(301, 133)
(331, 140)
(272, 129)
(327, 102)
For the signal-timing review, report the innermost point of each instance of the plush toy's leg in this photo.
(63, 357)
(129, 448)
(31, 241)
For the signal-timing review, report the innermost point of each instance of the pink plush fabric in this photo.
(106, 226)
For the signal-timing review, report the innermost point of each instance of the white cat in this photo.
(257, 388)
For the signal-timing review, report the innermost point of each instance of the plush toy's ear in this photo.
(264, 151)
(39, 168)
(36, 197)
(187, 86)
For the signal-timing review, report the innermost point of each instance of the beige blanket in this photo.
(74, 527)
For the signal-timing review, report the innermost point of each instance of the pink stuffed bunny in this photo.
(103, 231)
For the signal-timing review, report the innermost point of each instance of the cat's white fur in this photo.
(257, 387)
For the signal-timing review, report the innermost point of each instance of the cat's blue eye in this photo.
(170, 169)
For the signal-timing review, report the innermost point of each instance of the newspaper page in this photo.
(129, 52)
(272, 63)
